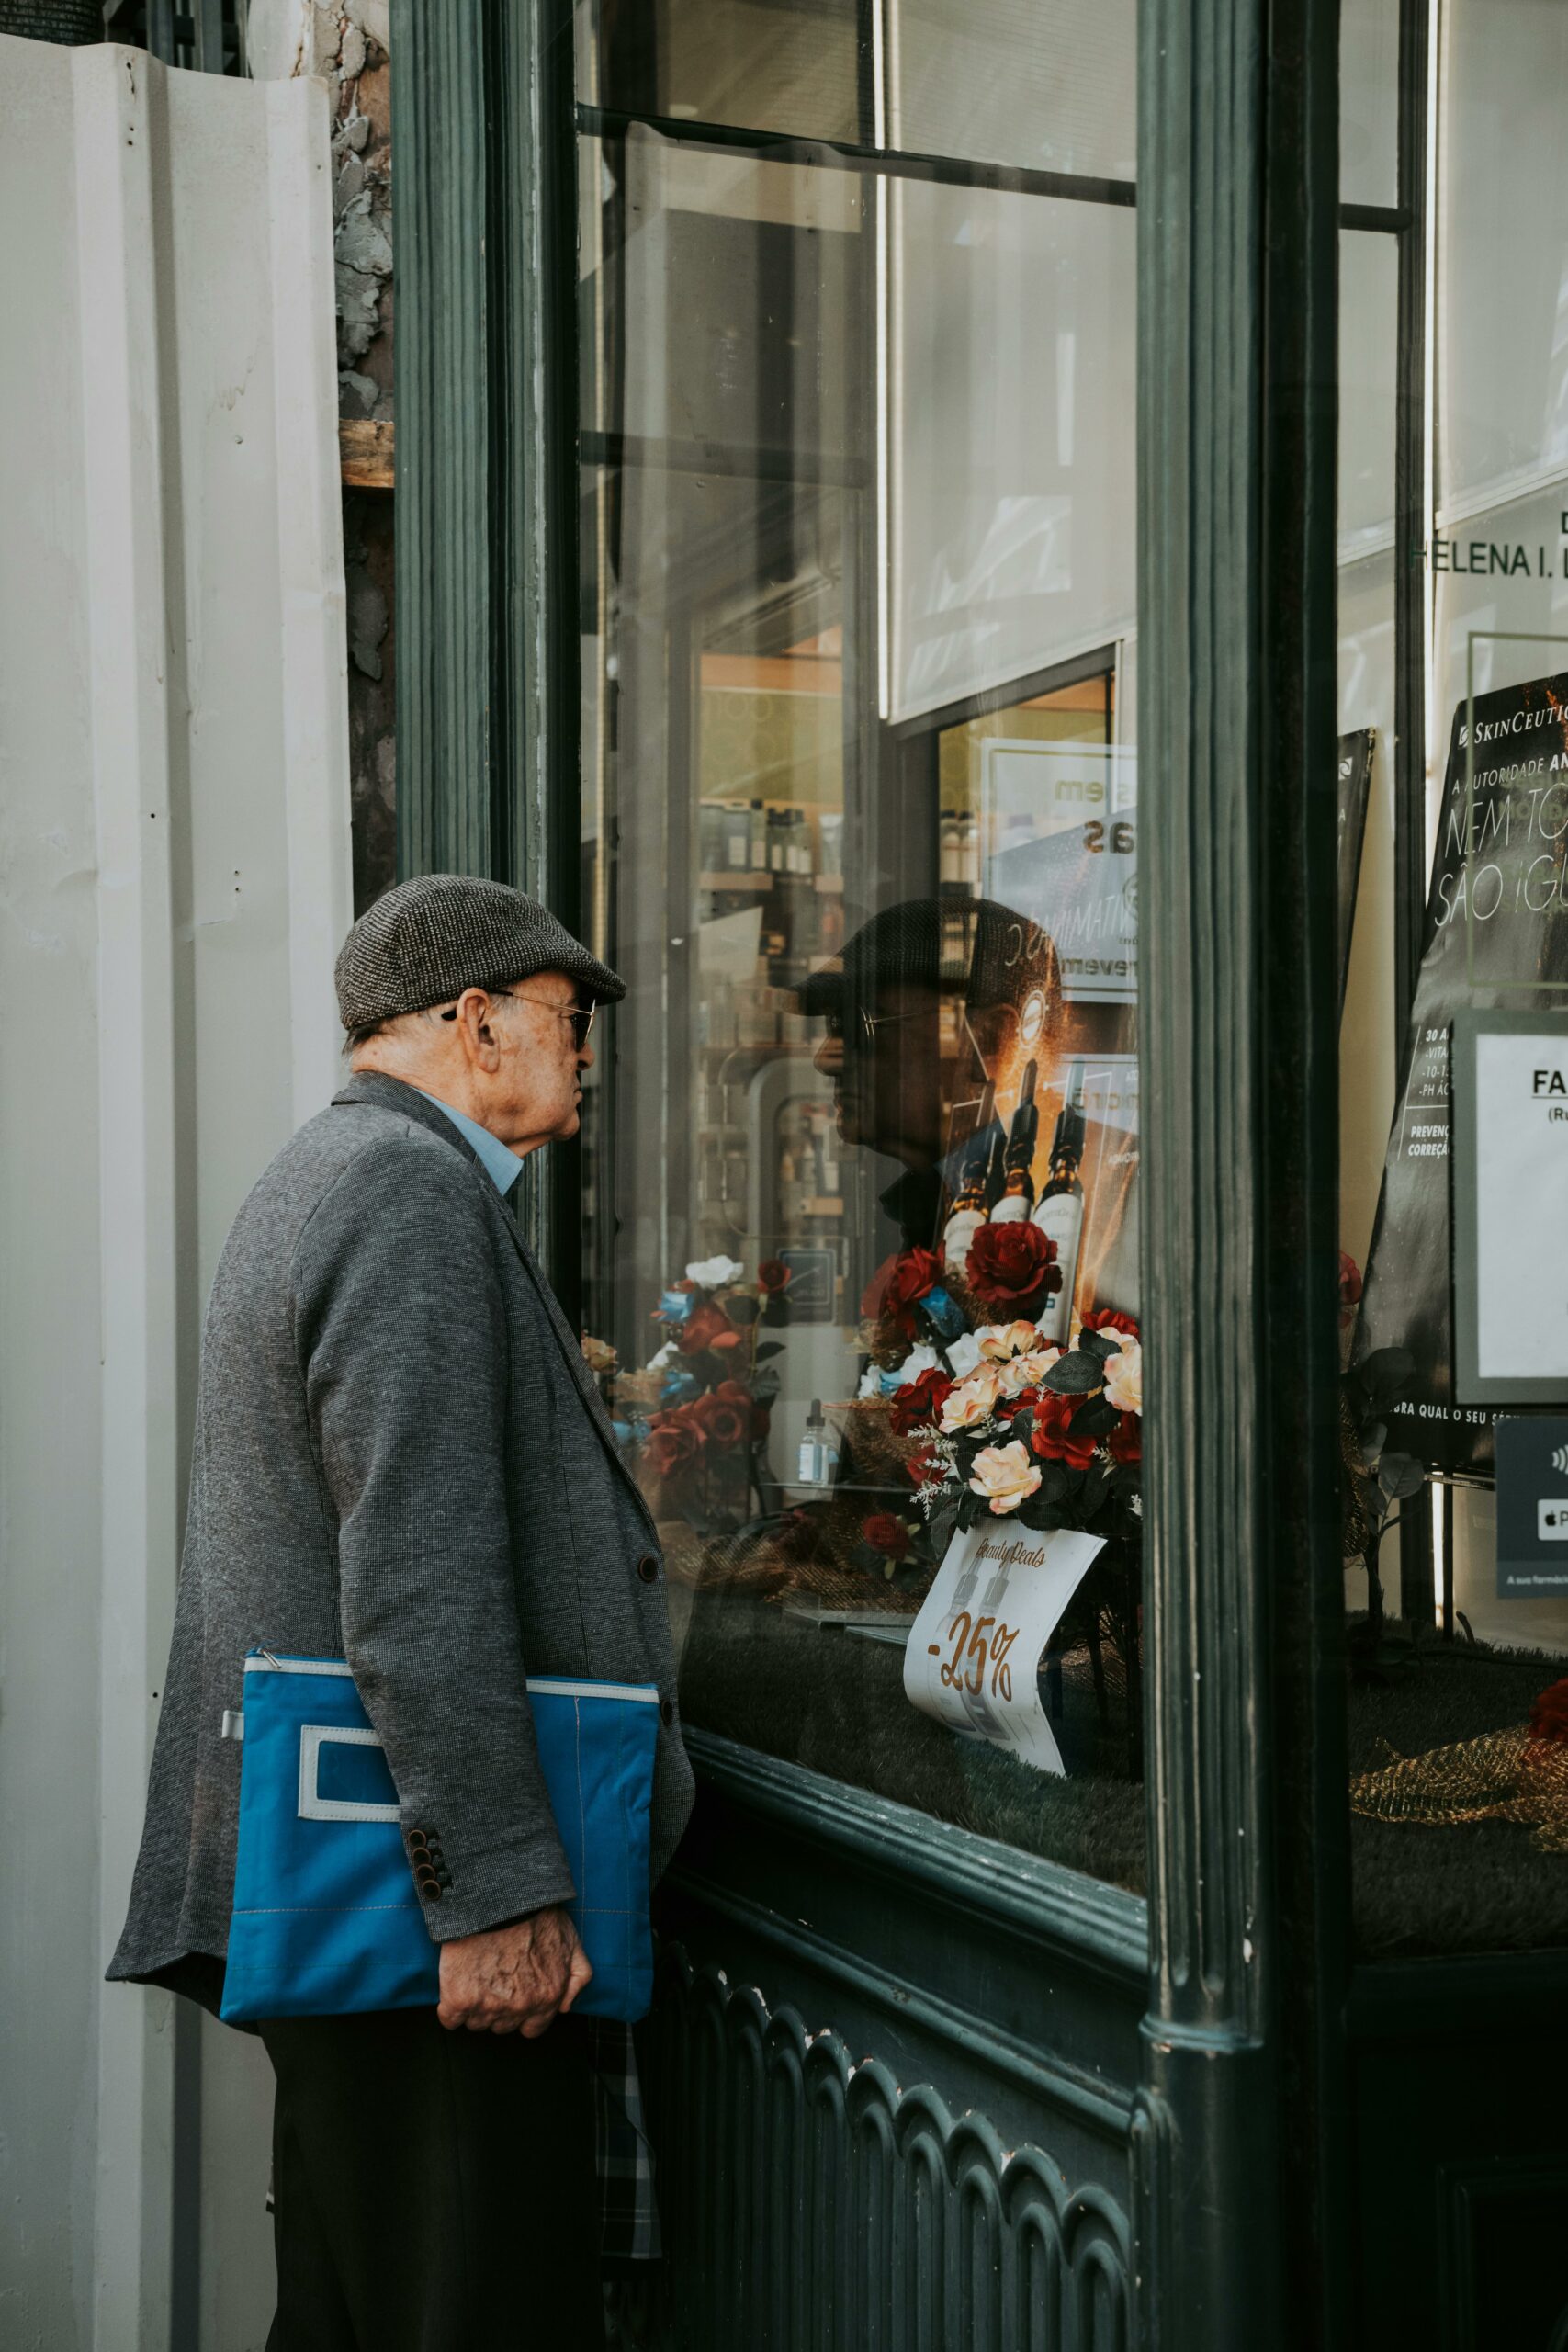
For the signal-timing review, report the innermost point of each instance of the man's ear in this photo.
(478, 1029)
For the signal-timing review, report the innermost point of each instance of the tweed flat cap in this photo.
(426, 941)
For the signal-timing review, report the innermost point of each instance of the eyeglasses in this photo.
(866, 1024)
(579, 1015)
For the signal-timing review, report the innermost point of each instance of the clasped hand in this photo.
(516, 1979)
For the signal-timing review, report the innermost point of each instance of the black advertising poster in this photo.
(1496, 928)
(1355, 785)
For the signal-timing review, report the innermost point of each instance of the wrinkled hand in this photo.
(514, 1979)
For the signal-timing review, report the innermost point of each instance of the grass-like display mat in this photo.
(836, 1704)
(1464, 1886)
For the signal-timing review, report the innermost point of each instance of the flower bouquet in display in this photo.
(989, 1420)
(695, 1419)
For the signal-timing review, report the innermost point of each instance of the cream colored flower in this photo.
(1005, 1476)
(1124, 1377)
(599, 1354)
(973, 1400)
(962, 1227)
(1028, 1371)
(999, 1340)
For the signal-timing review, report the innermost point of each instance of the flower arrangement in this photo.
(1002, 1422)
(696, 1413)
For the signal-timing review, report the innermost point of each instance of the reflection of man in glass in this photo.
(932, 1010)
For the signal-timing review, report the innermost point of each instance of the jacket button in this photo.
(666, 1711)
(648, 1566)
(417, 1839)
(430, 1888)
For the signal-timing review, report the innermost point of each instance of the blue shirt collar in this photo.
(502, 1166)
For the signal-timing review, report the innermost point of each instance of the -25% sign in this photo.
(980, 1647)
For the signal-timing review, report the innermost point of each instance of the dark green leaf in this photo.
(1101, 1343)
(769, 1348)
(1096, 1419)
(944, 1523)
(1399, 1475)
(1076, 1375)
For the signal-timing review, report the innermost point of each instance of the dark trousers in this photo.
(433, 2191)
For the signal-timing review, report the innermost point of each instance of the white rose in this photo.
(1027, 1371)
(999, 1340)
(1125, 1376)
(918, 1360)
(964, 1355)
(1005, 1476)
(973, 1400)
(870, 1382)
(666, 1354)
(712, 1274)
(962, 1227)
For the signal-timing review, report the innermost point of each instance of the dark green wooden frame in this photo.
(1237, 2239)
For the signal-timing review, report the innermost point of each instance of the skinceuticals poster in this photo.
(1496, 933)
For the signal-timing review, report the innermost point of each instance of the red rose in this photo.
(919, 1400)
(887, 1534)
(922, 1465)
(773, 1275)
(1109, 1318)
(898, 1282)
(1011, 1267)
(1126, 1440)
(1549, 1716)
(1349, 1284)
(1052, 1437)
(672, 1440)
(724, 1420)
(706, 1327)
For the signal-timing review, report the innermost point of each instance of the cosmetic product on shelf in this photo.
(818, 1456)
(1059, 1213)
(1017, 1159)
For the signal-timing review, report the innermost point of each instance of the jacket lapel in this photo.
(393, 1094)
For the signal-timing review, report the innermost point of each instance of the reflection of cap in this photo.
(988, 952)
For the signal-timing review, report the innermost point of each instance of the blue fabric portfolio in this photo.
(326, 1915)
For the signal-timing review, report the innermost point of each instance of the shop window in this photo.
(1454, 1040)
(860, 827)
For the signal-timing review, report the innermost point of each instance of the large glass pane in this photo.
(860, 829)
(1456, 1396)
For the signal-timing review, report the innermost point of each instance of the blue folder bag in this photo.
(326, 1915)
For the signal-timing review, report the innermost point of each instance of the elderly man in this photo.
(402, 1459)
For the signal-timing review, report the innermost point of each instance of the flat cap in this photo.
(425, 941)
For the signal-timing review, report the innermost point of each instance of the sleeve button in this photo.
(648, 1568)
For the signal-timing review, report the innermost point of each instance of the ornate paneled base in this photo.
(810, 2204)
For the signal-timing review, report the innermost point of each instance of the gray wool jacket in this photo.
(400, 1459)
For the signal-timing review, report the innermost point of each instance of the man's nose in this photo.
(829, 1057)
(585, 1056)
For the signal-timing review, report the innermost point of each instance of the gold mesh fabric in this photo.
(1503, 1776)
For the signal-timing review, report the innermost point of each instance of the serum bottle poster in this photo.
(1497, 932)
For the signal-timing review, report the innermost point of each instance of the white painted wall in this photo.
(173, 881)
